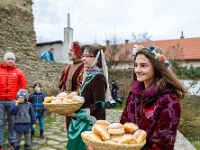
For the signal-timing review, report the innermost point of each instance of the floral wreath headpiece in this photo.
(152, 50)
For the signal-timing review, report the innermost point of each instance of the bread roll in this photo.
(77, 99)
(127, 139)
(72, 94)
(116, 128)
(116, 138)
(67, 100)
(110, 142)
(101, 132)
(94, 137)
(130, 127)
(56, 101)
(62, 94)
(140, 136)
(103, 123)
(49, 99)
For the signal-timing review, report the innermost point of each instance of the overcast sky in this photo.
(98, 20)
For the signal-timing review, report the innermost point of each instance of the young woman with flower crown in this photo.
(94, 90)
(153, 102)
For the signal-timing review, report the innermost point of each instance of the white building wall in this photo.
(194, 63)
(58, 50)
(68, 39)
(61, 49)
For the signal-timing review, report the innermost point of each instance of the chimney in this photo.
(181, 37)
(107, 42)
(68, 20)
(126, 41)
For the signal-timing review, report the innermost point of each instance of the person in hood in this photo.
(11, 80)
(36, 99)
(24, 119)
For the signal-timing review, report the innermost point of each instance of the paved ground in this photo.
(56, 136)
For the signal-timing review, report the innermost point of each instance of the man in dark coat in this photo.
(114, 91)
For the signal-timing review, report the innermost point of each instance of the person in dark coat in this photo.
(24, 119)
(114, 91)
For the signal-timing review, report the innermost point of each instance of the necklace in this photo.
(89, 77)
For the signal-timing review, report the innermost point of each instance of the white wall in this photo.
(194, 89)
(61, 50)
(194, 63)
(68, 39)
(57, 53)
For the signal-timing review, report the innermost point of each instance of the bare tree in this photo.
(144, 37)
(175, 55)
(115, 52)
(175, 52)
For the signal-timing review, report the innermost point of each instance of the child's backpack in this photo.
(43, 55)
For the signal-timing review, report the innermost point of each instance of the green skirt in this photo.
(76, 127)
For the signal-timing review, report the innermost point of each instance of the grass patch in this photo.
(119, 106)
(47, 122)
(48, 119)
(195, 141)
(5, 135)
(190, 118)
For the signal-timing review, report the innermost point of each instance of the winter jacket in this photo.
(114, 90)
(24, 116)
(158, 113)
(11, 79)
(37, 99)
(48, 57)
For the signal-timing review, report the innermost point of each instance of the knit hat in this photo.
(76, 46)
(22, 94)
(9, 55)
(36, 84)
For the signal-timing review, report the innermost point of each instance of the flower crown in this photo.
(152, 50)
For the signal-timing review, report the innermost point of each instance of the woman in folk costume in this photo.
(153, 102)
(94, 90)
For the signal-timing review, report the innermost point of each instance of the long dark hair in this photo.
(164, 77)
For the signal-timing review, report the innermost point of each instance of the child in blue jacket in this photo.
(24, 119)
(36, 99)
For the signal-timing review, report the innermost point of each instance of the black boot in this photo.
(32, 135)
(26, 147)
(42, 134)
(17, 148)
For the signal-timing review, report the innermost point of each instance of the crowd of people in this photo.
(152, 104)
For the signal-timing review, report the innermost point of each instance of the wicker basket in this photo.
(63, 108)
(99, 145)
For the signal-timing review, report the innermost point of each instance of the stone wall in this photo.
(123, 78)
(17, 35)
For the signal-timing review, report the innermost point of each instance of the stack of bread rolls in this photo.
(116, 133)
(64, 98)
